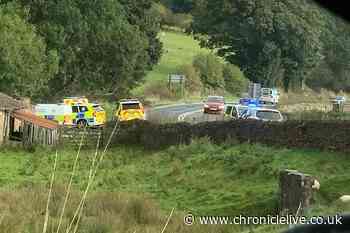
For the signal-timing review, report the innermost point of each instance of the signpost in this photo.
(254, 90)
(177, 79)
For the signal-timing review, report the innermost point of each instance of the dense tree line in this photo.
(71, 47)
(277, 42)
(103, 46)
(333, 71)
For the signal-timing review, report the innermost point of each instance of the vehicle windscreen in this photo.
(266, 92)
(241, 110)
(215, 99)
(268, 115)
(130, 106)
(228, 110)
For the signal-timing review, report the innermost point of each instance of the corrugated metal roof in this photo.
(9, 103)
(26, 115)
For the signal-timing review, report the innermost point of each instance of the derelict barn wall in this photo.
(4, 126)
(324, 135)
(36, 135)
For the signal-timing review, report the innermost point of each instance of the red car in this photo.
(214, 104)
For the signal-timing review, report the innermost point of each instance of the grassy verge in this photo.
(306, 96)
(202, 178)
(319, 115)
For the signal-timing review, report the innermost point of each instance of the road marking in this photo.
(186, 114)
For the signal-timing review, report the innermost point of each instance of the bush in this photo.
(234, 79)
(218, 76)
(193, 81)
(159, 90)
(211, 70)
(162, 11)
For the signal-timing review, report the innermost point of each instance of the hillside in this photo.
(178, 49)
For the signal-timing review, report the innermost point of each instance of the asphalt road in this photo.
(192, 113)
(201, 117)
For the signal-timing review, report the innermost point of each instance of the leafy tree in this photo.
(272, 41)
(103, 46)
(234, 79)
(193, 80)
(163, 12)
(25, 64)
(141, 13)
(210, 69)
(336, 56)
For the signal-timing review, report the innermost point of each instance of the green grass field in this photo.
(202, 178)
(178, 49)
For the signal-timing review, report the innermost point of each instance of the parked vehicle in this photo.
(249, 101)
(214, 104)
(60, 113)
(263, 114)
(73, 112)
(85, 113)
(235, 111)
(100, 115)
(269, 96)
(130, 109)
(75, 100)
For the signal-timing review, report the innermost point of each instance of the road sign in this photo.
(254, 90)
(176, 78)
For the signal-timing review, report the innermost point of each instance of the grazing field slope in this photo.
(178, 49)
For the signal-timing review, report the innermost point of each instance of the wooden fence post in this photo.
(295, 192)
